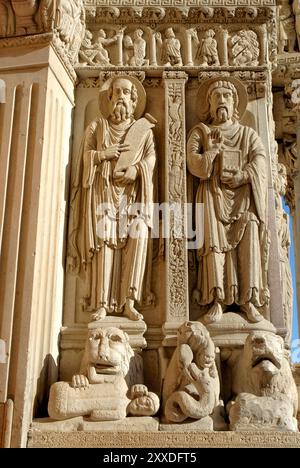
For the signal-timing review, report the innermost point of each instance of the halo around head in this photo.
(202, 96)
(104, 100)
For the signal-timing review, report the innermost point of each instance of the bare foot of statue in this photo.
(131, 312)
(214, 314)
(100, 314)
(252, 313)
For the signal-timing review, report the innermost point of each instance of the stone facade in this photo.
(146, 148)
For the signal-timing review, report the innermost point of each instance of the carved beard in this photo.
(121, 110)
(222, 114)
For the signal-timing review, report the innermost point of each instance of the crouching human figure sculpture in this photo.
(264, 391)
(191, 388)
(109, 384)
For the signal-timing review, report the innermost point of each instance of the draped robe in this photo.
(234, 255)
(115, 264)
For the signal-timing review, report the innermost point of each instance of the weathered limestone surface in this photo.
(165, 439)
(174, 102)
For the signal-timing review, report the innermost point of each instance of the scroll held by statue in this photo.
(136, 133)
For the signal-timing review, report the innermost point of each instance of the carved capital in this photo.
(174, 75)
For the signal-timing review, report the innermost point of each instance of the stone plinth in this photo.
(163, 439)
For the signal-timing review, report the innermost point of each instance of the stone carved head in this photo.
(197, 337)
(122, 96)
(264, 350)
(108, 351)
(223, 101)
(230, 89)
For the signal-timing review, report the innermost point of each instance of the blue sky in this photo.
(295, 329)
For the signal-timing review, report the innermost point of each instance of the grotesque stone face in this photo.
(109, 351)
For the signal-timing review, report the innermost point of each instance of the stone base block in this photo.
(204, 424)
(233, 329)
(131, 424)
(163, 439)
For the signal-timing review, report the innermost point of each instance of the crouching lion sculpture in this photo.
(108, 386)
(264, 391)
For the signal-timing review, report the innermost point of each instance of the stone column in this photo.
(152, 47)
(189, 49)
(263, 44)
(36, 129)
(120, 49)
(223, 48)
(177, 300)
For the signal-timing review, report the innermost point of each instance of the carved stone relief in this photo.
(112, 187)
(229, 159)
(262, 370)
(109, 386)
(124, 51)
(191, 386)
(244, 49)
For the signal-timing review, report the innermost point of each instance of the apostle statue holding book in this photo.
(111, 207)
(230, 161)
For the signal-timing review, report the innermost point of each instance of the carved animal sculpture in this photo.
(104, 389)
(263, 370)
(191, 388)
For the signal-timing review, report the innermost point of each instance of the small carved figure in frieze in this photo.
(7, 20)
(230, 161)
(109, 386)
(244, 49)
(207, 51)
(128, 50)
(87, 52)
(264, 392)
(139, 47)
(296, 10)
(170, 48)
(191, 386)
(102, 57)
(46, 14)
(112, 203)
(70, 23)
(286, 28)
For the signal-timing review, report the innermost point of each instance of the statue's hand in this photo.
(113, 152)
(234, 180)
(128, 177)
(215, 140)
(80, 381)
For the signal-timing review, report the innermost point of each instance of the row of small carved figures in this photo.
(133, 50)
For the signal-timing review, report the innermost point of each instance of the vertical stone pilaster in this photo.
(296, 218)
(177, 302)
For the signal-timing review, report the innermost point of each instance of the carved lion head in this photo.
(264, 352)
(108, 351)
